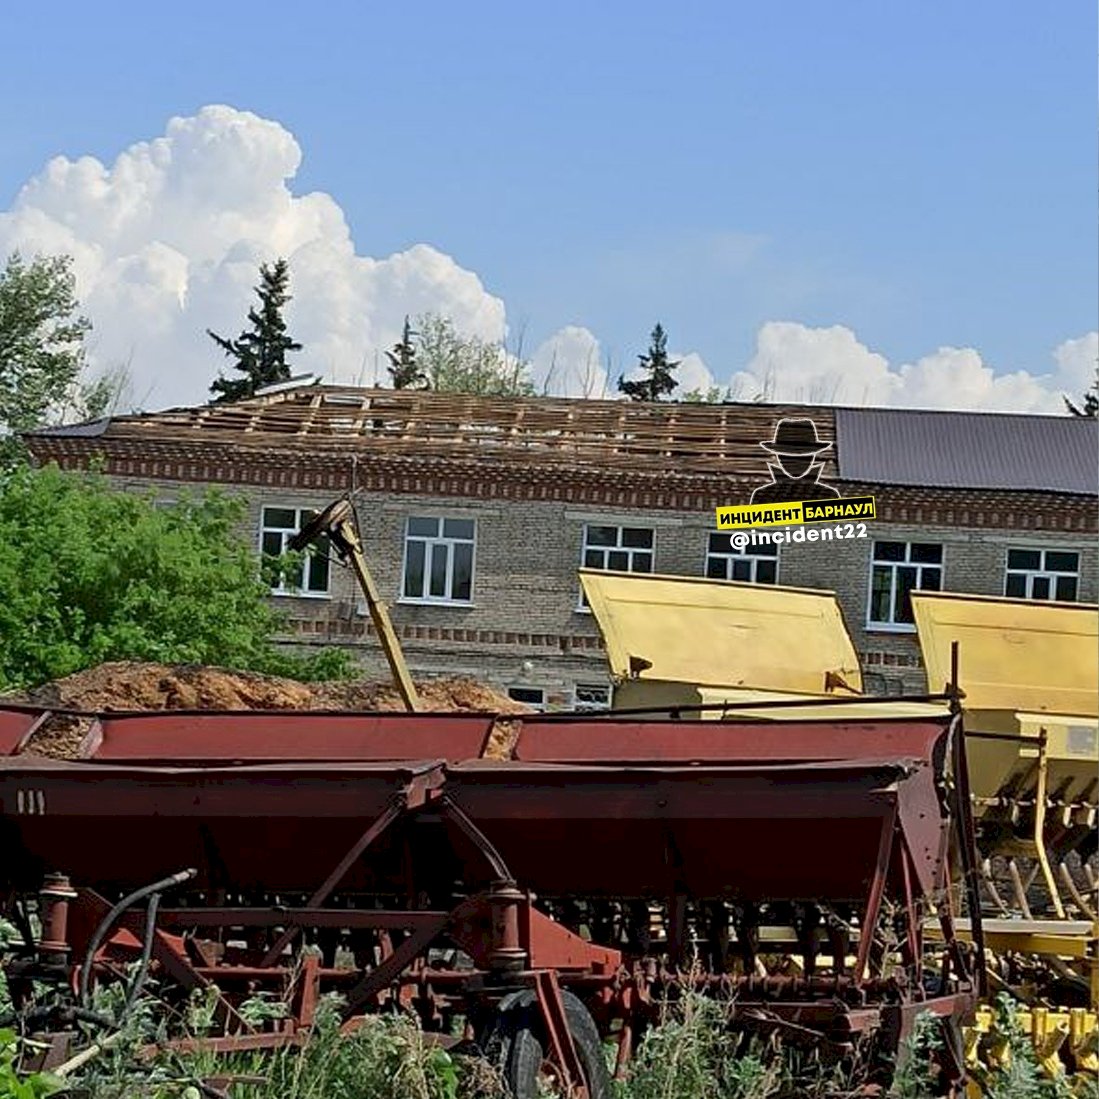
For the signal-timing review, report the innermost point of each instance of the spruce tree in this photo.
(404, 370)
(659, 377)
(260, 351)
(1089, 406)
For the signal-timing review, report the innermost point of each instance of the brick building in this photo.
(476, 513)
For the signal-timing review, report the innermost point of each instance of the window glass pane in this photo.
(619, 560)
(1015, 587)
(590, 696)
(637, 538)
(642, 562)
(428, 528)
(458, 528)
(1062, 561)
(601, 536)
(318, 568)
(1066, 588)
(906, 581)
(766, 572)
(594, 559)
(715, 568)
(272, 544)
(1024, 559)
(462, 585)
(533, 696)
(925, 552)
(280, 518)
(719, 543)
(742, 569)
(931, 579)
(888, 551)
(881, 588)
(770, 550)
(1039, 588)
(414, 569)
(439, 560)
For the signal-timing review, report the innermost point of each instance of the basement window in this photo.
(438, 560)
(591, 696)
(534, 697)
(897, 570)
(277, 526)
(753, 564)
(1042, 574)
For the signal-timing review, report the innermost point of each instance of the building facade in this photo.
(476, 513)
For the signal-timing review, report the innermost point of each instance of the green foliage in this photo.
(404, 370)
(12, 1084)
(41, 346)
(260, 351)
(1019, 1075)
(658, 373)
(1089, 406)
(918, 1076)
(459, 364)
(715, 394)
(91, 574)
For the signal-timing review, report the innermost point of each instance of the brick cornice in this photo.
(206, 462)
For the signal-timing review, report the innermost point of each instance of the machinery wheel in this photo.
(519, 1048)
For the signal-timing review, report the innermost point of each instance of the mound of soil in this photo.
(139, 686)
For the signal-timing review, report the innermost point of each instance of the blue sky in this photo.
(923, 174)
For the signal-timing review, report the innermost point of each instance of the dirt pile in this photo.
(138, 686)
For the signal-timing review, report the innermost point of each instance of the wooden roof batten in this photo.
(555, 431)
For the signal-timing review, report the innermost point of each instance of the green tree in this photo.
(467, 364)
(404, 370)
(41, 347)
(260, 351)
(1089, 406)
(658, 378)
(91, 574)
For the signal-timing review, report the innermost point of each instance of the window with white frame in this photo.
(616, 549)
(757, 564)
(591, 696)
(310, 577)
(438, 559)
(898, 569)
(534, 697)
(1042, 574)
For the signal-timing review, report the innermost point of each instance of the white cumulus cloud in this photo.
(167, 241)
(794, 362)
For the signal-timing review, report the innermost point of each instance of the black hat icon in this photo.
(796, 437)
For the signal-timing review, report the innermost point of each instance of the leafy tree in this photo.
(91, 574)
(1089, 406)
(41, 347)
(658, 380)
(404, 370)
(260, 351)
(467, 364)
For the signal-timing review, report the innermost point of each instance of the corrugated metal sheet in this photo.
(1012, 654)
(721, 634)
(968, 450)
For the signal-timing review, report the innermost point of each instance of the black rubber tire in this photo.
(520, 1046)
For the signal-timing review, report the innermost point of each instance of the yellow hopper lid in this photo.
(720, 633)
(1013, 654)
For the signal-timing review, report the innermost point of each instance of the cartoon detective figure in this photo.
(795, 445)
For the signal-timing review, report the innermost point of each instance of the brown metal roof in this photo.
(721, 438)
(968, 449)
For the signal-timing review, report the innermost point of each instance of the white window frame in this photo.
(618, 547)
(431, 541)
(749, 553)
(893, 626)
(301, 516)
(577, 704)
(1044, 572)
(537, 707)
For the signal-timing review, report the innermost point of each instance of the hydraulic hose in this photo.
(111, 918)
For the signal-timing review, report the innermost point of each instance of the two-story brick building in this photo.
(477, 512)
